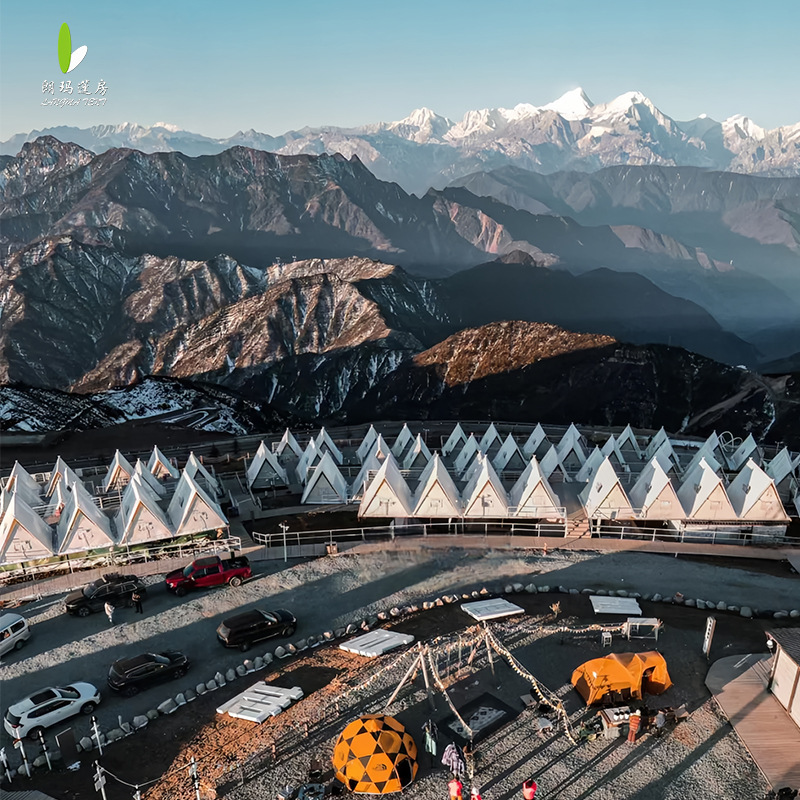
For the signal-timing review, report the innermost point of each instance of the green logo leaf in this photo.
(64, 48)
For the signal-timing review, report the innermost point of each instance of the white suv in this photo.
(48, 707)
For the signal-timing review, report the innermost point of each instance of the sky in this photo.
(218, 67)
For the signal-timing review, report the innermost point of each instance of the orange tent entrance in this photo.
(619, 677)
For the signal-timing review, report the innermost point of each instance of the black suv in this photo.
(130, 675)
(114, 588)
(244, 629)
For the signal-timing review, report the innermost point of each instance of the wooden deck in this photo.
(739, 684)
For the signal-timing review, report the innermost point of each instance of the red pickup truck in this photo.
(209, 571)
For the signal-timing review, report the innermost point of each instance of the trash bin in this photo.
(332, 549)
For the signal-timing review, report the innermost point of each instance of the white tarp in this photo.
(491, 609)
(376, 643)
(615, 605)
(259, 702)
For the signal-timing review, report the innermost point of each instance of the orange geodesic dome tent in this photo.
(626, 675)
(375, 755)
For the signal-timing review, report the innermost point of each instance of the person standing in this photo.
(661, 721)
(633, 725)
(137, 601)
(109, 609)
(456, 789)
(529, 788)
(431, 739)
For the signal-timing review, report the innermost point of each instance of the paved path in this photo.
(739, 684)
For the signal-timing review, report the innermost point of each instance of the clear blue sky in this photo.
(218, 67)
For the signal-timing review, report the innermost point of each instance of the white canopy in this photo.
(366, 443)
(509, 456)
(754, 496)
(535, 441)
(418, 455)
(327, 485)
(288, 442)
(456, 439)
(402, 442)
(702, 495)
(324, 442)
(265, 469)
(82, 526)
(119, 472)
(140, 518)
(24, 535)
(654, 495)
(160, 466)
(437, 495)
(484, 495)
(604, 497)
(387, 495)
(532, 495)
(379, 448)
(191, 510)
(666, 456)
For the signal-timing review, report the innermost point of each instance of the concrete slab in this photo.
(376, 643)
(616, 605)
(260, 701)
(491, 609)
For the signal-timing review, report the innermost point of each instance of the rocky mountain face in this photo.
(426, 149)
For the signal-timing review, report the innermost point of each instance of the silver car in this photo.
(48, 707)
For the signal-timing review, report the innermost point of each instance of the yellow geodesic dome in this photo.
(375, 755)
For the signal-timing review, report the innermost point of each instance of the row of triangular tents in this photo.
(63, 517)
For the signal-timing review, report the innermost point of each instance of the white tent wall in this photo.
(466, 454)
(658, 439)
(82, 526)
(604, 497)
(191, 510)
(366, 444)
(265, 469)
(119, 473)
(437, 495)
(371, 465)
(307, 460)
(590, 466)
(325, 443)
(456, 440)
(703, 495)
(509, 456)
(402, 442)
(706, 452)
(666, 456)
(62, 473)
(654, 495)
(746, 450)
(202, 476)
(628, 443)
(326, 485)
(754, 496)
(490, 440)
(288, 445)
(473, 469)
(485, 496)
(24, 535)
(417, 456)
(532, 496)
(140, 519)
(387, 495)
(611, 449)
(780, 468)
(550, 463)
(148, 478)
(161, 467)
(535, 441)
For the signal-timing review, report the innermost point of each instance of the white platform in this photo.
(376, 643)
(616, 605)
(260, 701)
(491, 609)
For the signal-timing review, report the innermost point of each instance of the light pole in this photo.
(284, 527)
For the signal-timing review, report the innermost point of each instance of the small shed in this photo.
(784, 679)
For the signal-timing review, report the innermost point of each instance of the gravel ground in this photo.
(330, 592)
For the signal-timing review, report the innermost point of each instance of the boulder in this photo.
(200, 688)
(140, 721)
(249, 665)
(220, 679)
(407, 609)
(602, 593)
(794, 613)
(40, 761)
(280, 652)
(612, 592)
(383, 616)
(475, 594)
(689, 601)
(268, 658)
(364, 627)
(781, 615)
(115, 734)
(531, 588)
(509, 588)
(241, 670)
(211, 685)
(339, 632)
(543, 589)
(646, 597)
(413, 608)
(426, 605)
(484, 591)
(180, 699)
(466, 596)
(152, 714)
(656, 598)
(635, 595)
(395, 611)
(438, 601)
(167, 707)
(87, 744)
(746, 611)
(451, 598)
(21, 770)
(722, 606)
(574, 591)
(587, 591)
(302, 644)
(517, 587)
(351, 629)
(734, 609)
(328, 636)
(127, 729)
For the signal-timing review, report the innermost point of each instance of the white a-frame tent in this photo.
(456, 440)
(509, 456)
(265, 469)
(24, 535)
(706, 453)
(654, 495)
(196, 470)
(781, 469)
(474, 468)
(82, 526)
(570, 451)
(325, 443)
(703, 497)
(611, 449)
(491, 439)
(372, 463)
(402, 442)
(310, 457)
(119, 472)
(288, 445)
(536, 442)
(484, 495)
(590, 466)
(326, 485)
(366, 443)
(62, 473)
(551, 462)
(628, 443)
(22, 483)
(191, 510)
(161, 467)
(604, 497)
(655, 443)
(667, 457)
(148, 478)
(468, 451)
(533, 497)
(436, 495)
(754, 496)
(380, 449)
(387, 495)
(746, 450)
(418, 455)
(140, 518)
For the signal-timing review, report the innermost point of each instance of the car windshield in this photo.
(160, 659)
(187, 571)
(69, 693)
(13, 719)
(88, 591)
(269, 617)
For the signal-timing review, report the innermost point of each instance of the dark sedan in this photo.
(130, 675)
(244, 630)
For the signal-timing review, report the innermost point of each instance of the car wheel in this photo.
(289, 631)
(181, 591)
(235, 581)
(87, 708)
(179, 673)
(19, 645)
(245, 646)
(84, 611)
(131, 691)
(33, 733)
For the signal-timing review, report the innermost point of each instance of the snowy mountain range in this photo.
(425, 149)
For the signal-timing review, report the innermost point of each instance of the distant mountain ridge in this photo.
(426, 149)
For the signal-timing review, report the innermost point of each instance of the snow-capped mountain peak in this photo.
(743, 127)
(572, 105)
(421, 125)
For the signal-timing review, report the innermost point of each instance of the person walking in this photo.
(529, 788)
(456, 788)
(109, 609)
(660, 722)
(633, 725)
(137, 601)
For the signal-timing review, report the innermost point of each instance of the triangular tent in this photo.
(191, 510)
(437, 495)
(653, 494)
(590, 467)
(387, 495)
(456, 440)
(655, 443)
(611, 449)
(326, 485)
(366, 443)
(197, 471)
(379, 448)
(474, 468)
(604, 497)
(417, 456)
(265, 469)
(119, 473)
(536, 441)
(161, 467)
(570, 451)
(532, 495)
(310, 457)
(288, 445)
(82, 526)
(148, 477)
(22, 483)
(706, 453)
(490, 440)
(667, 457)
(62, 473)
(484, 495)
(402, 442)
(746, 450)
(703, 495)
(550, 463)
(24, 535)
(628, 443)
(467, 453)
(781, 467)
(509, 456)
(325, 443)
(140, 518)
(371, 464)
(754, 496)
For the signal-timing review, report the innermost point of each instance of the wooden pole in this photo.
(411, 670)
(427, 682)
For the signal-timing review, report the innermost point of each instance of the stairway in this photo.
(579, 528)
